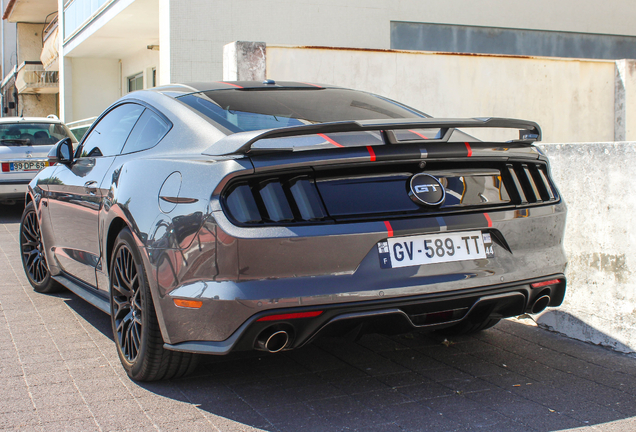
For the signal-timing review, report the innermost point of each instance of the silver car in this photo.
(24, 145)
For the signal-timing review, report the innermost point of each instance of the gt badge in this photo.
(426, 190)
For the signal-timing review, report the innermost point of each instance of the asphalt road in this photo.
(59, 371)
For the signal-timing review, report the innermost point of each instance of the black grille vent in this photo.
(381, 192)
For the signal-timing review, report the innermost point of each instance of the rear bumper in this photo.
(425, 312)
(237, 275)
(13, 189)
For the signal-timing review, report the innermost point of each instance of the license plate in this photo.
(435, 248)
(35, 165)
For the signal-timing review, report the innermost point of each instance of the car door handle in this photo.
(91, 186)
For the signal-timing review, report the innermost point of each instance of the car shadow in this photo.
(11, 213)
(95, 317)
(512, 377)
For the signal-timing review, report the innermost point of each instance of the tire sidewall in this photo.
(45, 285)
(136, 367)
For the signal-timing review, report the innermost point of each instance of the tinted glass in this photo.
(147, 132)
(32, 133)
(110, 134)
(246, 110)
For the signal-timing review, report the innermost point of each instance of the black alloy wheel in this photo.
(134, 320)
(33, 254)
(126, 308)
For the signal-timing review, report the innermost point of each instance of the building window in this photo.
(136, 82)
(154, 77)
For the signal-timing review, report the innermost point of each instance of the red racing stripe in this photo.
(389, 229)
(418, 134)
(330, 140)
(371, 153)
(488, 220)
(470, 151)
(230, 84)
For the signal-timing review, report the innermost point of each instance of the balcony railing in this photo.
(32, 78)
(78, 12)
(49, 29)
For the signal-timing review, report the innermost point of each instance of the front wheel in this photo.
(33, 255)
(134, 321)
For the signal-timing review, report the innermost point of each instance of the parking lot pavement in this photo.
(59, 371)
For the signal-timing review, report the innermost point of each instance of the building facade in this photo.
(107, 48)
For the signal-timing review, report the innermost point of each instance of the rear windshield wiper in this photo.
(23, 141)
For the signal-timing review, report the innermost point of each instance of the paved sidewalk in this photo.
(59, 371)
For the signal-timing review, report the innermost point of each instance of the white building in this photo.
(108, 48)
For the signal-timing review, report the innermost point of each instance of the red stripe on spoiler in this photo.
(371, 153)
(470, 151)
(330, 140)
(389, 229)
(488, 220)
(230, 84)
(418, 134)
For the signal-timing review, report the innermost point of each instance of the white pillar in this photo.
(244, 61)
(625, 101)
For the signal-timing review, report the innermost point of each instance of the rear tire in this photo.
(33, 253)
(469, 327)
(134, 321)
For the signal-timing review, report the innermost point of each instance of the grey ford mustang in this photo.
(210, 218)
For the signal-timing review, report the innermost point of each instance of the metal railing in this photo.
(32, 78)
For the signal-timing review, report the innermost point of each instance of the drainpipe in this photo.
(121, 77)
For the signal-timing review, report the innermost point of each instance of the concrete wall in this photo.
(38, 105)
(572, 100)
(198, 29)
(29, 37)
(600, 304)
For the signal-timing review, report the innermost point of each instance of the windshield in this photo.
(248, 110)
(24, 133)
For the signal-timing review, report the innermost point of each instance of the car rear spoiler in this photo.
(241, 142)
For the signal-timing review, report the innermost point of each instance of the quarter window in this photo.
(108, 137)
(148, 131)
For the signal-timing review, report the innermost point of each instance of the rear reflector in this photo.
(545, 283)
(288, 316)
(192, 304)
(6, 167)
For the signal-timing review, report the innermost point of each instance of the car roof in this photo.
(29, 120)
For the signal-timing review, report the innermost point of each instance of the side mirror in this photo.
(62, 152)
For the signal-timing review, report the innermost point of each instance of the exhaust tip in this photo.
(277, 341)
(273, 340)
(540, 304)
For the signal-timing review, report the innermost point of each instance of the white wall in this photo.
(95, 84)
(572, 100)
(198, 29)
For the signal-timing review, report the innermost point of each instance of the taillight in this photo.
(545, 283)
(6, 167)
(278, 200)
(287, 316)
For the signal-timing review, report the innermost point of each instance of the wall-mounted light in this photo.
(153, 47)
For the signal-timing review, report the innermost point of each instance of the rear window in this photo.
(33, 133)
(248, 110)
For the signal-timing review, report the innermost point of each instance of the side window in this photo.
(147, 132)
(108, 137)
